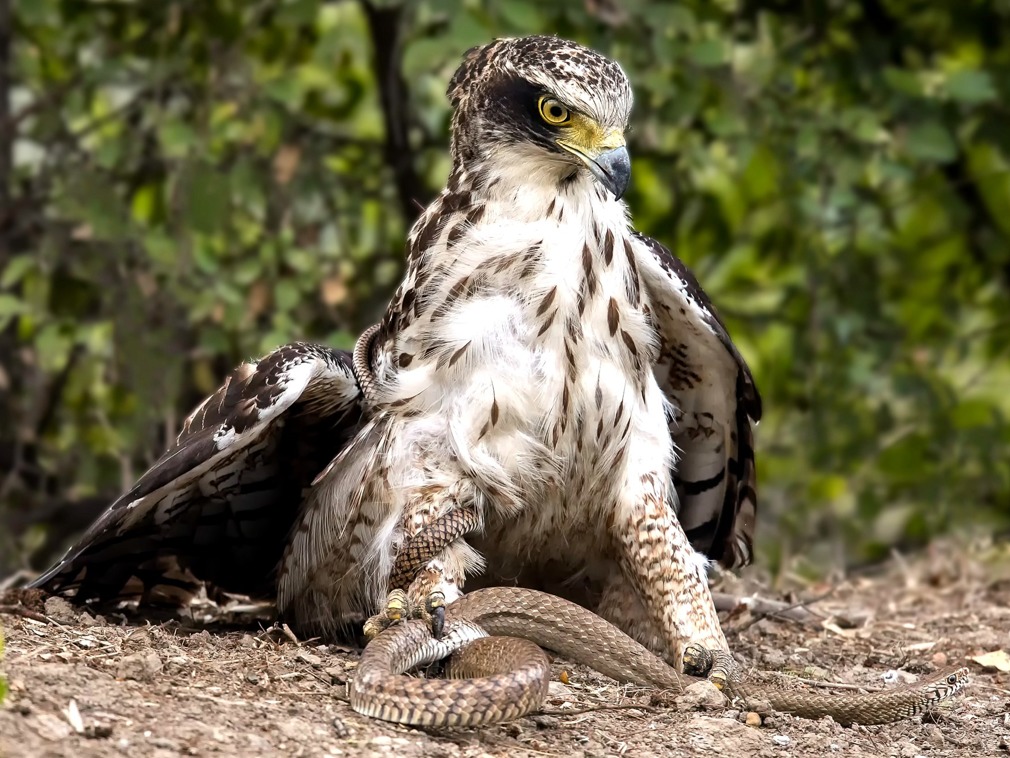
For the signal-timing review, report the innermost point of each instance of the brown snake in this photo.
(512, 674)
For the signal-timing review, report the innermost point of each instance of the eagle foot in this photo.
(718, 665)
(400, 608)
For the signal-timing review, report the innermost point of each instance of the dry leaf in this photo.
(74, 716)
(997, 659)
(831, 626)
(286, 163)
(332, 290)
(259, 298)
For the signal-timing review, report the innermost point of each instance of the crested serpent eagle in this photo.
(541, 362)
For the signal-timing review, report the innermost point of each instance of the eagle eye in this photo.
(552, 111)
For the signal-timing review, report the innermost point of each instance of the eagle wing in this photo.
(219, 505)
(714, 401)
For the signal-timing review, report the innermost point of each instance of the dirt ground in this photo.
(82, 685)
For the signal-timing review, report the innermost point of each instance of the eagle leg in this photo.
(668, 575)
(420, 581)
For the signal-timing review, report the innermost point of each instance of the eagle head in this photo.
(546, 104)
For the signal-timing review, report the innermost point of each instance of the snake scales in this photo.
(512, 672)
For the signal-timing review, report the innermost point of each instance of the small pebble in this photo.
(143, 667)
(97, 731)
(781, 739)
(774, 659)
(86, 619)
(309, 658)
(933, 734)
(752, 719)
(336, 675)
(59, 609)
(700, 696)
(815, 672)
(558, 691)
(939, 659)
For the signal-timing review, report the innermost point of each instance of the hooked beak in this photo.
(612, 169)
(608, 161)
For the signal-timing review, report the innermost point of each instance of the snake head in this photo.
(953, 682)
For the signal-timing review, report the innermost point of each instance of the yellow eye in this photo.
(552, 111)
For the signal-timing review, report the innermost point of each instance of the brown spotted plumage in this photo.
(218, 506)
(541, 363)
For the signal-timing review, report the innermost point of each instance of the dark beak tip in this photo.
(615, 170)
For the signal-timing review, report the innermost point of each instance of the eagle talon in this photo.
(715, 664)
(396, 610)
(434, 607)
(724, 671)
(698, 660)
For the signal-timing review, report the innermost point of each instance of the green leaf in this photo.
(146, 203)
(931, 141)
(709, 53)
(971, 86)
(11, 305)
(206, 194)
(903, 81)
(972, 414)
(521, 15)
(16, 270)
(177, 137)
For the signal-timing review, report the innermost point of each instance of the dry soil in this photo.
(87, 685)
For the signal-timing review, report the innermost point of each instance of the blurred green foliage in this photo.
(198, 181)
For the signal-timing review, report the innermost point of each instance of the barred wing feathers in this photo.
(218, 506)
(715, 402)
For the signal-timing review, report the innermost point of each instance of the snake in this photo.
(499, 671)
(361, 363)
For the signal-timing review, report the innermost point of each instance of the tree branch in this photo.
(7, 135)
(384, 28)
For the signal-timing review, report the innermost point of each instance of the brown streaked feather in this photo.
(715, 405)
(217, 507)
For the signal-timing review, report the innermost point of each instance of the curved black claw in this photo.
(717, 665)
(434, 604)
(698, 660)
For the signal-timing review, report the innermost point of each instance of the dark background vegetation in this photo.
(186, 184)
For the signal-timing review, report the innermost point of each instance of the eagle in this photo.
(541, 362)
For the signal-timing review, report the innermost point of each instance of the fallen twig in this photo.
(762, 608)
(28, 613)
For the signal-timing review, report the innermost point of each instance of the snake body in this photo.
(512, 674)
(361, 362)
